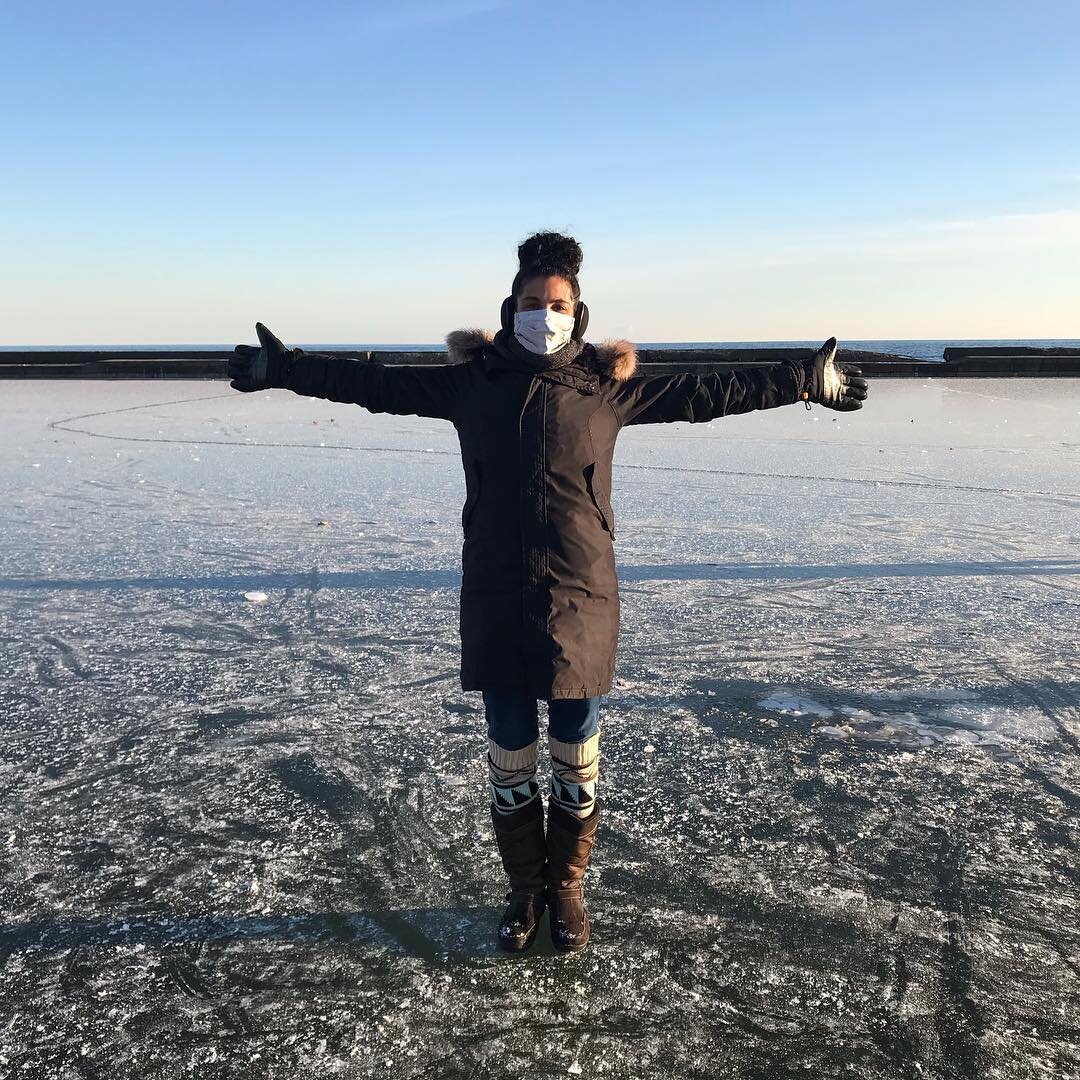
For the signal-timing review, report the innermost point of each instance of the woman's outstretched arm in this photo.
(405, 390)
(659, 399)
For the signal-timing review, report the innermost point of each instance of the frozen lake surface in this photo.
(839, 770)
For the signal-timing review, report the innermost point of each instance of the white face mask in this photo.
(543, 330)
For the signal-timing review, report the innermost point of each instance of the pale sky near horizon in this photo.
(363, 172)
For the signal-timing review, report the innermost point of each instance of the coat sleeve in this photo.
(404, 389)
(661, 399)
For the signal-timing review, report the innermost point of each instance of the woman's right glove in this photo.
(836, 386)
(262, 368)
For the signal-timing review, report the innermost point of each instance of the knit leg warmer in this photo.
(574, 770)
(512, 775)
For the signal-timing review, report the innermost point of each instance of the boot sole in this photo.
(563, 951)
(510, 947)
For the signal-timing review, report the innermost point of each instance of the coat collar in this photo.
(612, 358)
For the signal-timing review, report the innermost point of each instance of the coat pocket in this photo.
(472, 491)
(600, 500)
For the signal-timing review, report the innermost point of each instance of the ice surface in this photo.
(839, 777)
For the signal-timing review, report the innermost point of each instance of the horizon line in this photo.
(441, 346)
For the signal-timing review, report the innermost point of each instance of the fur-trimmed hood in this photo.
(613, 358)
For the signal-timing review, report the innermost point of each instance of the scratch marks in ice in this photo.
(69, 659)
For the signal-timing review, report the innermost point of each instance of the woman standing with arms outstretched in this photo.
(537, 411)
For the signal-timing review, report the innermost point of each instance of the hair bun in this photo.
(550, 252)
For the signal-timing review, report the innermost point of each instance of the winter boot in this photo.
(569, 844)
(520, 836)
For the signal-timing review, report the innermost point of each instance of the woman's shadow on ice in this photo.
(439, 935)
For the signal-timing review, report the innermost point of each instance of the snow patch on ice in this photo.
(957, 718)
(786, 701)
(835, 732)
(974, 724)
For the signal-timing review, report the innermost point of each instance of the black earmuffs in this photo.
(581, 317)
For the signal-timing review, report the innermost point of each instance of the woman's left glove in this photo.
(836, 386)
(262, 368)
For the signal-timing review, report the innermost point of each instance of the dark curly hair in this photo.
(545, 254)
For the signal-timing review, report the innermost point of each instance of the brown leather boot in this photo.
(569, 844)
(520, 836)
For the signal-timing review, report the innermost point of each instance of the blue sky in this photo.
(363, 172)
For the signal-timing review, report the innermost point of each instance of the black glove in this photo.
(263, 368)
(836, 386)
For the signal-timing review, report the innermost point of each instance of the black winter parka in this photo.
(539, 601)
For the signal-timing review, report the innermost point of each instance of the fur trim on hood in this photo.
(614, 358)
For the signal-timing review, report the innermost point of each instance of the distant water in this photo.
(931, 349)
(927, 349)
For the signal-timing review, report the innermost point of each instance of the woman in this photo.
(537, 412)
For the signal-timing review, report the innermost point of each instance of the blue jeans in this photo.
(513, 719)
